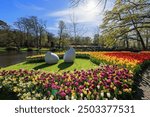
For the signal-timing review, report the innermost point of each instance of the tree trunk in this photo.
(59, 42)
(127, 42)
(147, 45)
(137, 31)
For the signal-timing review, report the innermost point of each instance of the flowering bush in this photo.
(105, 82)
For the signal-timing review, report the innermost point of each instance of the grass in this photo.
(35, 49)
(59, 67)
(2, 49)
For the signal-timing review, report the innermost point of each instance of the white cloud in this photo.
(52, 28)
(84, 13)
(90, 15)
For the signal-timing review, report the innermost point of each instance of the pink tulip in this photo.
(118, 83)
(125, 86)
(108, 81)
(76, 83)
(48, 92)
(62, 94)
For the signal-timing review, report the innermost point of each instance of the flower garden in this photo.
(113, 78)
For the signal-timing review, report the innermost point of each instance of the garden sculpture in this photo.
(51, 58)
(70, 55)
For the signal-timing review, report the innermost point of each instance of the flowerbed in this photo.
(126, 59)
(105, 82)
(129, 60)
(112, 80)
(40, 58)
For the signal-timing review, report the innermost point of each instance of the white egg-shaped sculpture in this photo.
(70, 55)
(51, 58)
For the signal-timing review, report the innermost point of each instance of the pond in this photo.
(13, 57)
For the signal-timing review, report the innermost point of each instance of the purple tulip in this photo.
(62, 94)
(125, 86)
(26, 79)
(118, 83)
(76, 83)
(68, 91)
(67, 83)
(54, 86)
(108, 81)
(81, 87)
(48, 92)
(46, 86)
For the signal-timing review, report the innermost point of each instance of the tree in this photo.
(96, 39)
(86, 40)
(23, 24)
(126, 21)
(76, 31)
(50, 39)
(3, 25)
(42, 31)
(61, 32)
(14, 38)
(34, 29)
(4, 29)
(37, 28)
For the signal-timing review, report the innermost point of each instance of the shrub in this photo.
(12, 48)
(29, 49)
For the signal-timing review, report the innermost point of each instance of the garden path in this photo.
(144, 86)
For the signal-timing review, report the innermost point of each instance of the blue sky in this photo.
(87, 16)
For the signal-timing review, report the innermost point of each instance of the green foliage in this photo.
(11, 48)
(126, 21)
(6, 94)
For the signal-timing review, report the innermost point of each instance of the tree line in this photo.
(28, 32)
(126, 26)
(32, 32)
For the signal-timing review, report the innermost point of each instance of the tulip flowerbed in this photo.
(105, 82)
(112, 79)
(125, 59)
(129, 60)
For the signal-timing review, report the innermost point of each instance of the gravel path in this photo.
(144, 86)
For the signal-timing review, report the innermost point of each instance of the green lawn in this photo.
(35, 49)
(59, 67)
(2, 49)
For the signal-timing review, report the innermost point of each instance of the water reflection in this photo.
(14, 57)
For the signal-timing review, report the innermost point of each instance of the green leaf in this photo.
(54, 91)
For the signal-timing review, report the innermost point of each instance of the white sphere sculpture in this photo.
(70, 55)
(51, 58)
